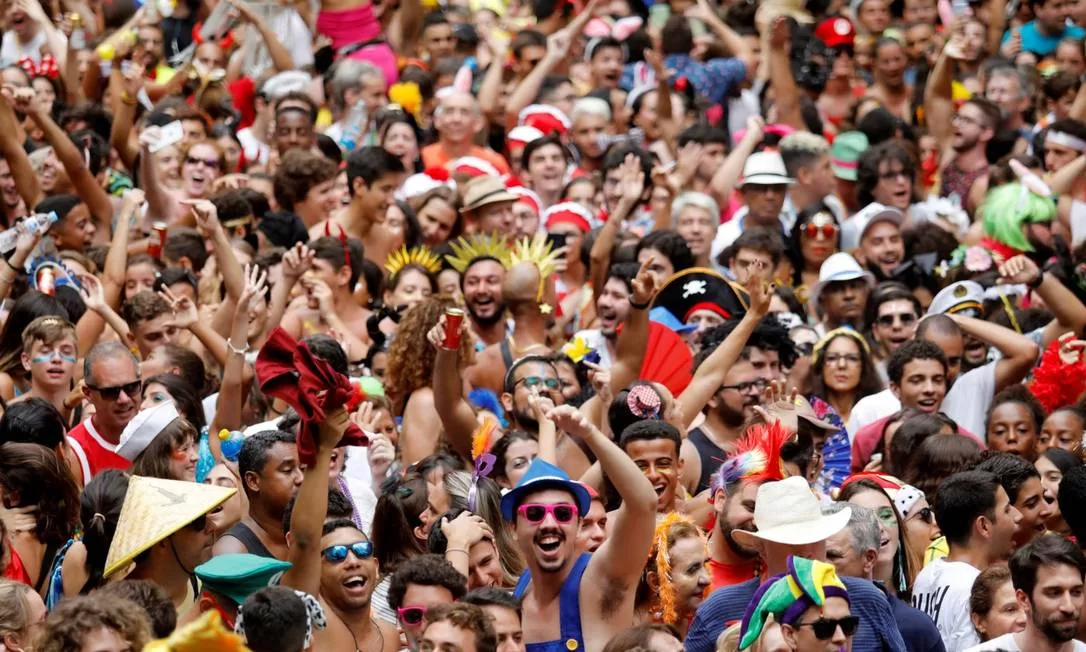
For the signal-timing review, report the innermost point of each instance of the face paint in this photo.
(54, 355)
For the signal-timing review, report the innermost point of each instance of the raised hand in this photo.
(332, 428)
(755, 128)
(600, 379)
(132, 200)
(381, 455)
(27, 239)
(643, 285)
(366, 417)
(571, 421)
(540, 405)
(1019, 269)
(184, 310)
(256, 284)
(206, 214)
(760, 291)
(465, 530)
(780, 35)
(631, 178)
(320, 291)
(1071, 349)
(149, 137)
(22, 100)
(133, 80)
(90, 289)
(296, 262)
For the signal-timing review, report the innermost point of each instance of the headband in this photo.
(313, 610)
(1067, 140)
(843, 330)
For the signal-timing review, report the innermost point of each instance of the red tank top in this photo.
(95, 454)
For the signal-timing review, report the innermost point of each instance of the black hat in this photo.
(700, 288)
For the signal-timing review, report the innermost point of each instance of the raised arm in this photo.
(310, 510)
(124, 114)
(780, 70)
(491, 86)
(633, 340)
(295, 262)
(101, 312)
(939, 102)
(207, 220)
(11, 148)
(1019, 352)
(455, 413)
(722, 183)
(92, 322)
(280, 55)
(632, 179)
(621, 559)
(163, 205)
(236, 371)
(710, 375)
(24, 245)
(1069, 313)
(728, 37)
(527, 90)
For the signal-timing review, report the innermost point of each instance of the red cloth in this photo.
(289, 371)
(16, 571)
(867, 437)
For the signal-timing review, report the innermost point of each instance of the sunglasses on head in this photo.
(336, 554)
(534, 513)
(825, 628)
(411, 615)
(132, 390)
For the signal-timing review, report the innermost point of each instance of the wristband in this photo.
(639, 306)
(1033, 285)
(236, 350)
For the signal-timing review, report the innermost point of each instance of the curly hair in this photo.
(411, 358)
(145, 306)
(76, 617)
(298, 173)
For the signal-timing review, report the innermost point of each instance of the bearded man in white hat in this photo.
(790, 522)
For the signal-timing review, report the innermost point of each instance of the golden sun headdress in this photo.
(468, 249)
(538, 251)
(418, 256)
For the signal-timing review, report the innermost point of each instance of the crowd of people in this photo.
(497, 325)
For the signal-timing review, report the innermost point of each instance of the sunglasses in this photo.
(824, 628)
(132, 390)
(199, 524)
(208, 162)
(534, 513)
(906, 319)
(536, 381)
(336, 554)
(813, 228)
(411, 615)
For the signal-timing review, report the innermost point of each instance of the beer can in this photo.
(453, 318)
(158, 240)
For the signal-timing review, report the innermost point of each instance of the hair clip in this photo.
(644, 402)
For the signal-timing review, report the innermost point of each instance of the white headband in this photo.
(1067, 140)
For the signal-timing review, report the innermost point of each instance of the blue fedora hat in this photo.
(544, 475)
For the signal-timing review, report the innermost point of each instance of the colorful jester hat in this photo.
(786, 597)
(757, 457)
(1009, 207)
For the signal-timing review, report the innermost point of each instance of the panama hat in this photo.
(544, 475)
(483, 191)
(787, 512)
(765, 169)
(143, 428)
(153, 510)
(839, 267)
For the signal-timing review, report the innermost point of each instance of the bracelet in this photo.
(234, 349)
(639, 306)
(448, 550)
(128, 99)
(1037, 283)
(13, 267)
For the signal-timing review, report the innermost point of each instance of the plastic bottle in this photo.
(78, 40)
(230, 441)
(353, 125)
(34, 223)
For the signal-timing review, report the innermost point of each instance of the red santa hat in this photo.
(568, 212)
(520, 136)
(528, 197)
(474, 166)
(419, 184)
(545, 118)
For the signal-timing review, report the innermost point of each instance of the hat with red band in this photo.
(845, 154)
(698, 289)
(528, 197)
(474, 166)
(520, 136)
(568, 213)
(545, 118)
(836, 32)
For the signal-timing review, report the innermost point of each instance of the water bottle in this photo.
(34, 223)
(353, 125)
(78, 40)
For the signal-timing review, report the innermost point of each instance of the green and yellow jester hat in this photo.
(787, 596)
(1007, 208)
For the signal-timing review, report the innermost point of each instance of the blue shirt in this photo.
(713, 79)
(1043, 44)
(918, 630)
(877, 631)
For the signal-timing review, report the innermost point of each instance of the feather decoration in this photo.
(757, 457)
(486, 399)
(483, 438)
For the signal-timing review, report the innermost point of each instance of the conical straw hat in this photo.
(153, 510)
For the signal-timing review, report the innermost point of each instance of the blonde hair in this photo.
(14, 609)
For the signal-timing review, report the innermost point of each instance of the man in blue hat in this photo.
(594, 591)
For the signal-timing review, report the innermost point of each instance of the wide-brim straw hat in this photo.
(153, 510)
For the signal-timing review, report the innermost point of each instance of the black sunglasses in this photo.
(199, 524)
(925, 514)
(133, 390)
(825, 628)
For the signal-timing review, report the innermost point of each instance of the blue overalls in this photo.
(569, 610)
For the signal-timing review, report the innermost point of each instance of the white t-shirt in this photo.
(1007, 642)
(967, 402)
(595, 340)
(942, 592)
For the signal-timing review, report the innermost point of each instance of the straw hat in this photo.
(153, 510)
(787, 512)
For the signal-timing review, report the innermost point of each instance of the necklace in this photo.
(380, 635)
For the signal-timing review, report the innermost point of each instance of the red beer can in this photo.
(158, 240)
(453, 318)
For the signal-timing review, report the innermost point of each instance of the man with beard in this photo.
(877, 229)
(978, 520)
(528, 337)
(570, 600)
(1047, 575)
(113, 386)
(841, 293)
(333, 560)
(529, 376)
(481, 285)
(612, 310)
(965, 134)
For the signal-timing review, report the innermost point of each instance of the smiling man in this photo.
(654, 448)
(877, 229)
(545, 509)
(612, 309)
(1022, 483)
(113, 386)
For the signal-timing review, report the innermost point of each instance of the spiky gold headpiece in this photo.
(537, 251)
(419, 256)
(470, 248)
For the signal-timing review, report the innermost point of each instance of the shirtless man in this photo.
(545, 509)
(373, 175)
(338, 567)
(328, 270)
(890, 88)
